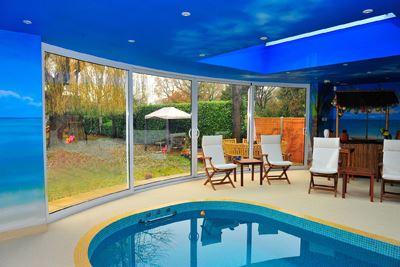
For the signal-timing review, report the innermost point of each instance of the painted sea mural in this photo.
(22, 190)
(356, 122)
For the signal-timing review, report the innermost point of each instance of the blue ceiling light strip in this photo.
(332, 29)
(378, 39)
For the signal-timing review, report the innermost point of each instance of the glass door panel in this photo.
(161, 120)
(223, 111)
(282, 110)
(85, 131)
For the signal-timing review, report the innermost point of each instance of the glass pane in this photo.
(85, 130)
(223, 111)
(281, 110)
(162, 120)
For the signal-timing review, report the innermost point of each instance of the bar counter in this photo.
(367, 153)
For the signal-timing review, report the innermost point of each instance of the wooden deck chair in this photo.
(273, 158)
(214, 161)
(390, 166)
(325, 161)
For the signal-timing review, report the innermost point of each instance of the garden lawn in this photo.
(85, 167)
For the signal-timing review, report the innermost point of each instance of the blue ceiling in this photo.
(165, 40)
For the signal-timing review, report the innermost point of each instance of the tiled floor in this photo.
(55, 247)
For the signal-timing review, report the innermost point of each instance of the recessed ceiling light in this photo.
(368, 72)
(287, 72)
(202, 55)
(327, 81)
(263, 38)
(27, 21)
(186, 13)
(345, 64)
(131, 41)
(368, 11)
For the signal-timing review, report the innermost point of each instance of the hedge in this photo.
(215, 117)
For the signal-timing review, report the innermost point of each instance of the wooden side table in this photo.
(357, 171)
(249, 162)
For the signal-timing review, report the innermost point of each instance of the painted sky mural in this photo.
(22, 201)
(355, 121)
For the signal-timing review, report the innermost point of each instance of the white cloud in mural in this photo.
(220, 34)
(29, 100)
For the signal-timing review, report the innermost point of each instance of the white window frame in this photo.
(195, 80)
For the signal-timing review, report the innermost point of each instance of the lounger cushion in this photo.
(323, 171)
(225, 166)
(392, 177)
(271, 146)
(281, 163)
(391, 145)
(325, 155)
(391, 155)
(212, 147)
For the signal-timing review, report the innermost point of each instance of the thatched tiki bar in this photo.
(364, 152)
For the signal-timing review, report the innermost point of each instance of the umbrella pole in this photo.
(387, 118)
(366, 127)
(337, 121)
(145, 135)
(167, 136)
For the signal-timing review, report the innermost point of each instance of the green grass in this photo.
(72, 172)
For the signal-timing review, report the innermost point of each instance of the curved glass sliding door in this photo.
(282, 110)
(162, 122)
(86, 133)
(222, 110)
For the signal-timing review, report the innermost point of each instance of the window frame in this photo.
(195, 80)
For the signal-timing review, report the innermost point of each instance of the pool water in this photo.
(237, 236)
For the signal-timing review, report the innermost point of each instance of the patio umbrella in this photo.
(167, 113)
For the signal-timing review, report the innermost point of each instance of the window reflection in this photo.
(85, 130)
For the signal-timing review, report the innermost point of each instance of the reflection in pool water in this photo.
(227, 238)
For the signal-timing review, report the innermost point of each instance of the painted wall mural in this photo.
(355, 120)
(22, 193)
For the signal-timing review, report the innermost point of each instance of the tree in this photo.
(292, 101)
(263, 95)
(75, 89)
(271, 101)
(140, 90)
(236, 106)
(211, 91)
(173, 90)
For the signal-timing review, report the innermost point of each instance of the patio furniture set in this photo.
(272, 159)
(325, 164)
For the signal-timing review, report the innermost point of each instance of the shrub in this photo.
(215, 117)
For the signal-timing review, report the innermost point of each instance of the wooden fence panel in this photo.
(292, 134)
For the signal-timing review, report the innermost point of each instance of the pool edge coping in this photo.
(81, 252)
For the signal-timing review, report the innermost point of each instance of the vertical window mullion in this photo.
(130, 131)
(194, 130)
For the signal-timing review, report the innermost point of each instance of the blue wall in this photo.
(22, 190)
